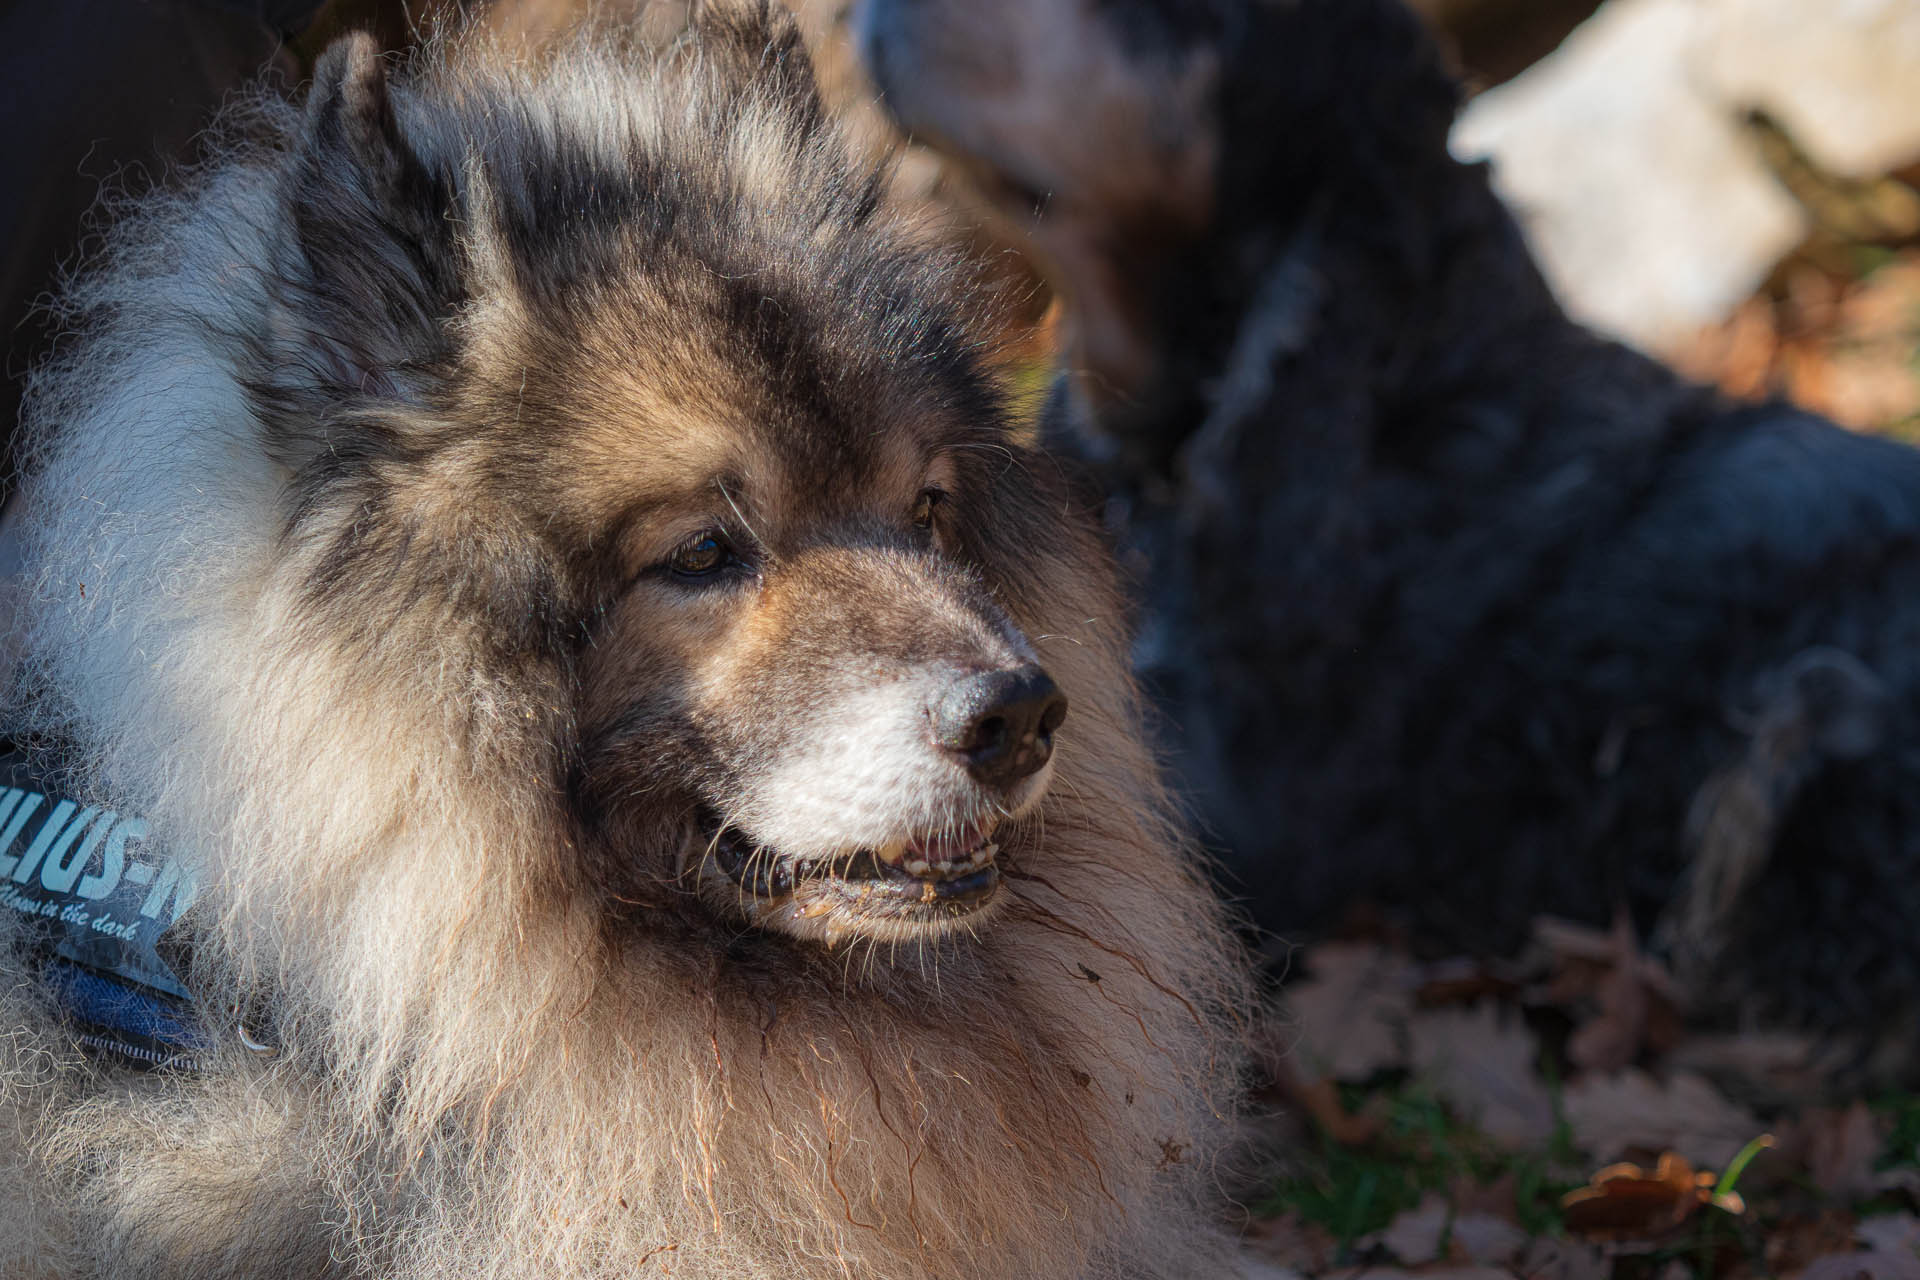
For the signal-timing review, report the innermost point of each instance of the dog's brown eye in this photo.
(700, 556)
(924, 505)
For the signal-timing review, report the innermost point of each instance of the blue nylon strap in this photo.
(94, 899)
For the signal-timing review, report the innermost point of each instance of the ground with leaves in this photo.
(1554, 1116)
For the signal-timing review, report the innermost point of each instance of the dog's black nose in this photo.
(1000, 723)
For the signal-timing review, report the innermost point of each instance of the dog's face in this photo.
(802, 679)
(1090, 125)
(705, 459)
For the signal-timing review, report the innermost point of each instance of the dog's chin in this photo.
(914, 889)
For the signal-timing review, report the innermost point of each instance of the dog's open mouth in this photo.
(920, 880)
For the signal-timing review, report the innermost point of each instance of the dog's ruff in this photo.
(331, 584)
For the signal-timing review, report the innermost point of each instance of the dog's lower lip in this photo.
(965, 890)
(957, 884)
(960, 880)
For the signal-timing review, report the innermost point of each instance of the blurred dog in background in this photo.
(1452, 606)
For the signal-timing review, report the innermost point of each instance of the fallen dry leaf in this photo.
(1320, 1098)
(1482, 1065)
(1737, 354)
(1890, 1231)
(1261, 1269)
(1632, 995)
(1415, 1236)
(1625, 1001)
(1571, 940)
(1627, 1202)
(1782, 1066)
(1863, 374)
(1568, 940)
(1841, 1146)
(1434, 1230)
(1793, 1243)
(1288, 1243)
(1874, 1264)
(1469, 1195)
(1547, 1259)
(1686, 1115)
(1484, 1238)
(1349, 1011)
(1360, 1009)
(1840, 347)
(1464, 980)
(1612, 1040)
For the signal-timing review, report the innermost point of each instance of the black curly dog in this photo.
(1452, 605)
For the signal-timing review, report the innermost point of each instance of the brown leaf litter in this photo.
(1576, 1062)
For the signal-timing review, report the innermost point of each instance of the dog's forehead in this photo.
(807, 438)
(808, 375)
(799, 469)
(730, 443)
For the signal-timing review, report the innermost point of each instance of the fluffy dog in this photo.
(547, 557)
(1455, 606)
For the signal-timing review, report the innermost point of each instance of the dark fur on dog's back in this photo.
(512, 528)
(1453, 605)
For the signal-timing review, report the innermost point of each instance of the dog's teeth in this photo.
(980, 857)
(891, 852)
(917, 866)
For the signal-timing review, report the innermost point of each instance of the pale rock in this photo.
(1648, 206)
(1842, 77)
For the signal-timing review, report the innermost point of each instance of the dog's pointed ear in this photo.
(377, 265)
(350, 107)
(765, 40)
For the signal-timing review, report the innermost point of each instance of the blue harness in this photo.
(95, 901)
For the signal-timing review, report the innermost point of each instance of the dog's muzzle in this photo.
(998, 726)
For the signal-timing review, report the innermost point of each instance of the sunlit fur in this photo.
(328, 587)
